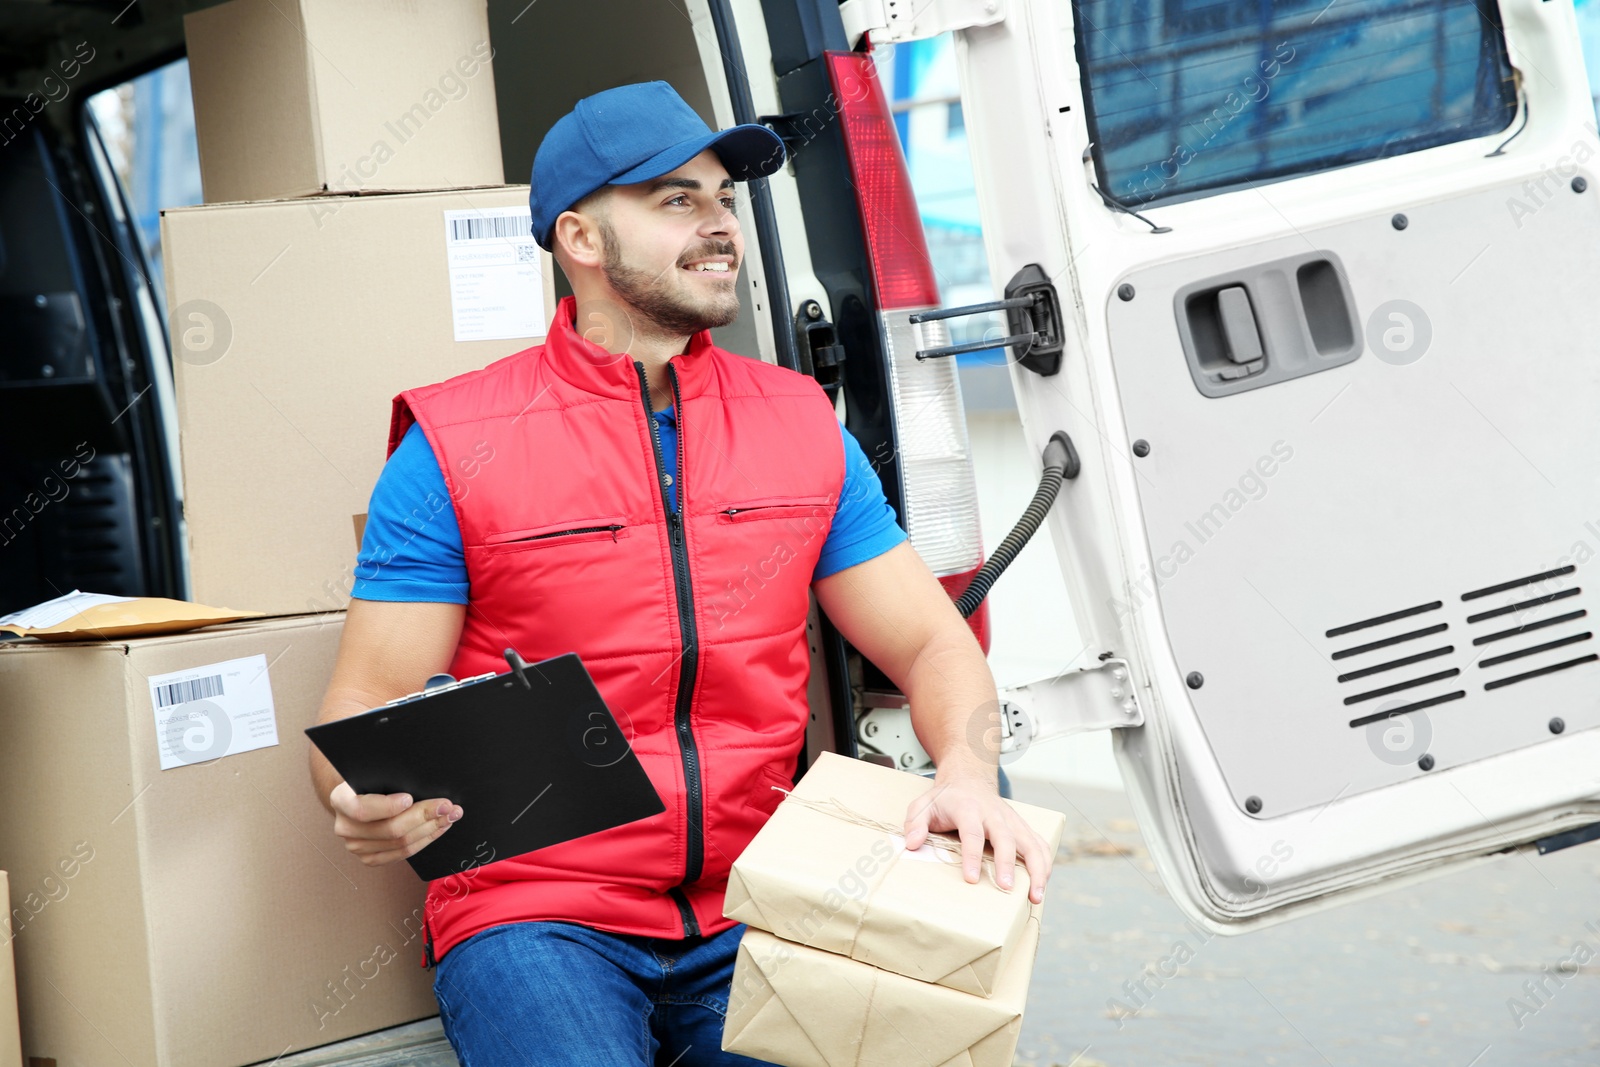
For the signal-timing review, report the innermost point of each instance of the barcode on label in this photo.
(476, 229)
(192, 689)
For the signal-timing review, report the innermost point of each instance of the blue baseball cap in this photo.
(629, 134)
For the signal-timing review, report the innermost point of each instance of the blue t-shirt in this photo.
(411, 548)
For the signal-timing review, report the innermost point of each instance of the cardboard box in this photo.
(10, 1038)
(204, 915)
(296, 97)
(294, 324)
(831, 871)
(802, 1007)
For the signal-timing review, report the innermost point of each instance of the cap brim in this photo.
(748, 151)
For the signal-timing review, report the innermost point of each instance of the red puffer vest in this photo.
(693, 627)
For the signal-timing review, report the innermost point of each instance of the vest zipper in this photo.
(695, 845)
(611, 529)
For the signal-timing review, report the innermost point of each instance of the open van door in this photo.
(1327, 272)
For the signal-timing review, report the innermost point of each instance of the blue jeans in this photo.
(556, 994)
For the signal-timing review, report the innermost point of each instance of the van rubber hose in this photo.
(1060, 463)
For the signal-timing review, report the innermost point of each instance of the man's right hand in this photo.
(387, 649)
(381, 828)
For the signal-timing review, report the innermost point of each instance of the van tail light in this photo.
(941, 492)
(955, 585)
(902, 274)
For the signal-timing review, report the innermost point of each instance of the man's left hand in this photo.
(972, 806)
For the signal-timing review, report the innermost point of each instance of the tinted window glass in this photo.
(148, 128)
(1191, 95)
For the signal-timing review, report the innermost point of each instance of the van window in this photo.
(1190, 96)
(926, 100)
(148, 128)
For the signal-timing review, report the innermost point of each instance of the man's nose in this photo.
(720, 222)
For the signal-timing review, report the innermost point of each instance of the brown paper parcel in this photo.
(801, 1007)
(830, 871)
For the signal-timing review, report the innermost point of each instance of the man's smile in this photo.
(710, 265)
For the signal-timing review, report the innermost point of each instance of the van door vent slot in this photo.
(1389, 713)
(1379, 620)
(1525, 612)
(1412, 683)
(1523, 605)
(1392, 664)
(1560, 642)
(1345, 653)
(1551, 669)
(1539, 624)
(1426, 668)
(1514, 583)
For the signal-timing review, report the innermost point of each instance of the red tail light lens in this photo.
(955, 585)
(901, 270)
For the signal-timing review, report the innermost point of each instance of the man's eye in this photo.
(731, 205)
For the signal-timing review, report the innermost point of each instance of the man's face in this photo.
(673, 246)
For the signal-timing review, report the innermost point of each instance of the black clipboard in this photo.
(534, 757)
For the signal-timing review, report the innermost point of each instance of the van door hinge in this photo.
(1101, 697)
(894, 21)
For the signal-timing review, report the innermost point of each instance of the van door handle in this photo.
(1239, 331)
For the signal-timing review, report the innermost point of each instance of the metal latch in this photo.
(1033, 315)
(894, 21)
(820, 347)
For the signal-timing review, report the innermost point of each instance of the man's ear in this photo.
(577, 236)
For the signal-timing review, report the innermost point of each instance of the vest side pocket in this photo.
(764, 798)
(769, 509)
(547, 537)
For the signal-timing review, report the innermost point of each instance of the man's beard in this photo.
(656, 297)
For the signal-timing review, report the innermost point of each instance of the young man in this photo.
(632, 492)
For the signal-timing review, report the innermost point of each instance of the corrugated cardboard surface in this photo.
(296, 97)
(10, 1040)
(331, 306)
(199, 916)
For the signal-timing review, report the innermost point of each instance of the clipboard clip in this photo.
(436, 684)
(518, 666)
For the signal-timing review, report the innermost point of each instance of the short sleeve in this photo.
(864, 525)
(411, 549)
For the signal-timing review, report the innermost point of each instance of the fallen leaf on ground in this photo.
(1097, 847)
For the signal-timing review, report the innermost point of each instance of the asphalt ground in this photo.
(1494, 966)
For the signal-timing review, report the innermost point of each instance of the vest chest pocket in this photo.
(565, 533)
(774, 509)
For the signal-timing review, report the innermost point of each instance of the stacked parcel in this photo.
(861, 952)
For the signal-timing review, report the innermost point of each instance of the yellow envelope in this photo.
(99, 617)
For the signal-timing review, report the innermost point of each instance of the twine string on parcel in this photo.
(833, 806)
(837, 809)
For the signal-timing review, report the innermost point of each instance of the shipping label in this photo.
(215, 710)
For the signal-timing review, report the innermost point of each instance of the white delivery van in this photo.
(1325, 272)
(1296, 299)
